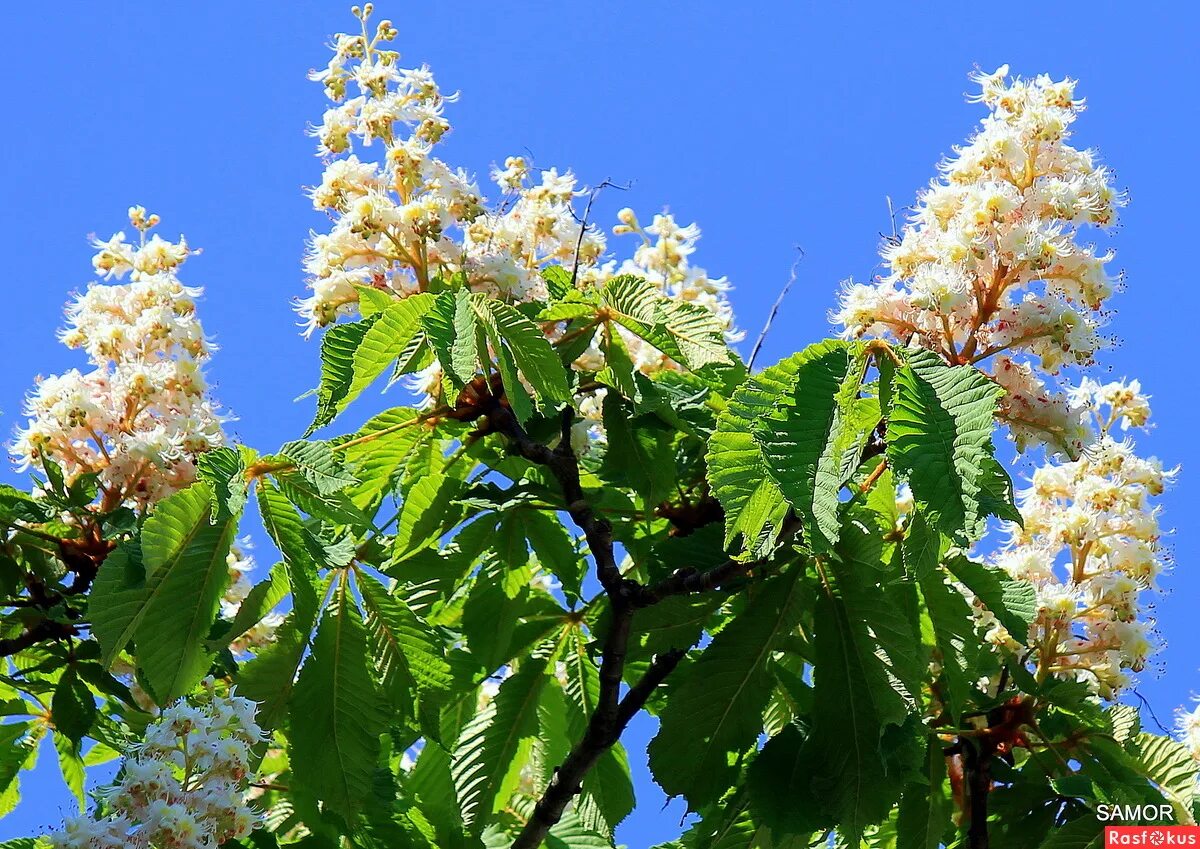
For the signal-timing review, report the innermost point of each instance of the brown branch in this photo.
(977, 762)
(44, 631)
(603, 731)
(626, 596)
(612, 713)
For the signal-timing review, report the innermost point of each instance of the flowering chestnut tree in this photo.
(817, 576)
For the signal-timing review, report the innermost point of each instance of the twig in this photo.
(1150, 710)
(583, 222)
(45, 630)
(774, 310)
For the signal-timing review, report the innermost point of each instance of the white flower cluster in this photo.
(408, 220)
(262, 633)
(1091, 545)
(140, 416)
(1187, 730)
(992, 268)
(184, 786)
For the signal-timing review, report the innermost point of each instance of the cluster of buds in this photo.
(992, 269)
(407, 218)
(1091, 546)
(140, 416)
(184, 786)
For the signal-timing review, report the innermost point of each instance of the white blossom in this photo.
(140, 415)
(183, 786)
(994, 259)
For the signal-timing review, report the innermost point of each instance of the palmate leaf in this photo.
(805, 439)
(490, 752)
(851, 767)
(939, 439)
(337, 712)
(390, 439)
(409, 656)
(353, 355)
(738, 473)
(168, 601)
(716, 705)
(685, 332)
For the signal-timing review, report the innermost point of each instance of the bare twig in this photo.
(583, 222)
(762, 335)
(1150, 710)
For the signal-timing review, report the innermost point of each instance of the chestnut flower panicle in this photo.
(1091, 546)
(407, 219)
(993, 270)
(184, 786)
(141, 415)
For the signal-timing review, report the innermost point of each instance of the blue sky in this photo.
(774, 125)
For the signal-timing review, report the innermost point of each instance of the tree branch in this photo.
(45, 630)
(626, 596)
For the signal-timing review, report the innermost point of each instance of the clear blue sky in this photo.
(773, 125)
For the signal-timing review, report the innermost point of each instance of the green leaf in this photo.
(318, 464)
(393, 330)
(925, 807)
(71, 767)
(954, 635)
(336, 713)
(490, 752)
(409, 655)
(1012, 602)
(427, 511)
(270, 677)
(263, 597)
(922, 546)
(1169, 765)
(1086, 832)
(73, 708)
(224, 470)
(716, 706)
(737, 470)
(851, 767)
(170, 611)
(388, 440)
(20, 506)
(555, 549)
(337, 368)
(685, 332)
(531, 351)
(558, 281)
(939, 439)
(804, 439)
